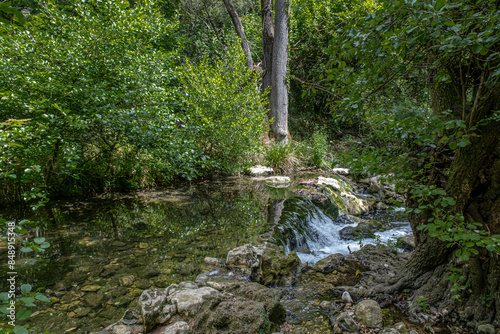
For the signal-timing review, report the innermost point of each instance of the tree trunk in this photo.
(267, 45)
(241, 33)
(472, 178)
(279, 91)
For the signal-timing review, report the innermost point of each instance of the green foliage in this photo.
(95, 96)
(422, 302)
(281, 158)
(449, 227)
(319, 148)
(455, 278)
(223, 123)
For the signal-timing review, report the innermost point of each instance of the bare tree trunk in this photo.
(267, 45)
(279, 92)
(241, 33)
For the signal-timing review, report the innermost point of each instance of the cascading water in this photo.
(306, 229)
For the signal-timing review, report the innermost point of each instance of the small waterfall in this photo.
(304, 228)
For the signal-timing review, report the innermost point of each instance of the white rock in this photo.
(179, 327)
(335, 184)
(343, 171)
(190, 301)
(346, 297)
(259, 170)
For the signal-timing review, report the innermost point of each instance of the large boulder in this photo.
(266, 264)
(276, 268)
(188, 307)
(369, 313)
(245, 258)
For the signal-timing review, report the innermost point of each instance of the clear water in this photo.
(159, 238)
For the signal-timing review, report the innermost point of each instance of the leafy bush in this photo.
(224, 119)
(319, 148)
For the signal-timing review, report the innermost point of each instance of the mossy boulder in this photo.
(276, 268)
(365, 229)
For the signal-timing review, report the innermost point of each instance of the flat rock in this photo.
(189, 301)
(259, 170)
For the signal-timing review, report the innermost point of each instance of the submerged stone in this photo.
(259, 170)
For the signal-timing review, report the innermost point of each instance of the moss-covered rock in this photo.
(276, 268)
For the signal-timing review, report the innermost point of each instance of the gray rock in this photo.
(259, 170)
(346, 297)
(365, 229)
(369, 313)
(179, 327)
(485, 329)
(345, 321)
(244, 257)
(189, 301)
(151, 304)
(214, 262)
(412, 332)
(123, 329)
(401, 327)
(389, 331)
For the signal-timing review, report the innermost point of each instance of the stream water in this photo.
(106, 250)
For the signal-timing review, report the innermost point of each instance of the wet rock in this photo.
(407, 242)
(143, 245)
(151, 304)
(369, 313)
(90, 288)
(110, 270)
(365, 229)
(344, 321)
(346, 297)
(93, 299)
(71, 314)
(127, 280)
(82, 311)
(71, 296)
(274, 267)
(347, 219)
(118, 244)
(485, 329)
(152, 273)
(259, 170)
(130, 317)
(144, 283)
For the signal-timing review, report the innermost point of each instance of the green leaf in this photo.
(28, 300)
(24, 313)
(26, 249)
(39, 240)
(42, 298)
(26, 288)
(476, 48)
(440, 4)
(20, 330)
